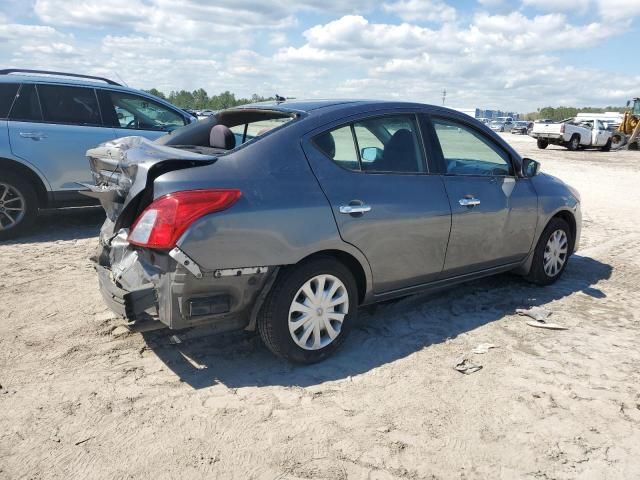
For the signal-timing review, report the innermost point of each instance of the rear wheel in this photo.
(574, 143)
(551, 254)
(542, 143)
(310, 310)
(18, 205)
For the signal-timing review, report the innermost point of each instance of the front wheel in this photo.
(551, 254)
(18, 205)
(310, 310)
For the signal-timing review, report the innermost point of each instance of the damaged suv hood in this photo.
(124, 170)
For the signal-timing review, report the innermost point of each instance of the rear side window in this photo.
(26, 106)
(7, 95)
(388, 144)
(72, 105)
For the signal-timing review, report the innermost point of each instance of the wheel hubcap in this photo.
(555, 253)
(12, 206)
(317, 312)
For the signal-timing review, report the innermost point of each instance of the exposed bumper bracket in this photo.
(184, 260)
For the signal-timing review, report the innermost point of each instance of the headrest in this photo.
(221, 136)
(327, 144)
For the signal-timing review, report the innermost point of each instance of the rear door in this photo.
(52, 127)
(384, 199)
(494, 213)
(131, 114)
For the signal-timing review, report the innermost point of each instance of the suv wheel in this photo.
(310, 310)
(551, 254)
(18, 205)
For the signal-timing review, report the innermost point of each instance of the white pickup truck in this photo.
(573, 134)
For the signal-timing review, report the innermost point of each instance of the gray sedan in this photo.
(286, 217)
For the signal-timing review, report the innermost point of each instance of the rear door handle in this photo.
(349, 209)
(469, 202)
(33, 135)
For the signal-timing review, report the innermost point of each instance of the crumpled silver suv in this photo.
(285, 217)
(48, 120)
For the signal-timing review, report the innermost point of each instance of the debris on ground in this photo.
(174, 340)
(547, 325)
(483, 348)
(465, 366)
(119, 331)
(537, 313)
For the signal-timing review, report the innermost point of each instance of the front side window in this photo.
(467, 152)
(124, 110)
(73, 105)
(384, 144)
(7, 95)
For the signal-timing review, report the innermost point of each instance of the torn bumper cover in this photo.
(168, 287)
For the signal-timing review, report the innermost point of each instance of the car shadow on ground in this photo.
(384, 332)
(63, 224)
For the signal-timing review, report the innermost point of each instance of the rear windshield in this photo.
(248, 131)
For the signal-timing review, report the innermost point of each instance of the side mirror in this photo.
(530, 167)
(370, 154)
(605, 125)
(628, 102)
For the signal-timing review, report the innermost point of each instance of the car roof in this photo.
(59, 80)
(301, 105)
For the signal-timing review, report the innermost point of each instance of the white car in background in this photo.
(573, 134)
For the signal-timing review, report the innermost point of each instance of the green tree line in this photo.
(200, 100)
(560, 113)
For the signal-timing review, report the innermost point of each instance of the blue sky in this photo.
(507, 54)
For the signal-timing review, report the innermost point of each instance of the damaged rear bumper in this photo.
(146, 286)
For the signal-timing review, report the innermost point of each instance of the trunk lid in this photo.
(123, 173)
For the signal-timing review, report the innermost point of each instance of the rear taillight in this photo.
(163, 222)
(562, 128)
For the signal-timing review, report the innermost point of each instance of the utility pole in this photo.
(444, 96)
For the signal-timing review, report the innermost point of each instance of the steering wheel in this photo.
(133, 123)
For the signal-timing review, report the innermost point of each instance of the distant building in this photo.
(490, 114)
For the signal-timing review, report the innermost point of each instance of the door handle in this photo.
(469, 202)
(33, 135)
(349, 209)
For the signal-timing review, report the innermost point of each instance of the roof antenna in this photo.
(279, 98)
(120, 78)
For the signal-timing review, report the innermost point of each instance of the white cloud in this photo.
(422, 10)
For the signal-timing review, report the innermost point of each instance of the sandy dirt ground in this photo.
(77, 401)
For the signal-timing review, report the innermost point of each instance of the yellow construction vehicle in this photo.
(629, 129)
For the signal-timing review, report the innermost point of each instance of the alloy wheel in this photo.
(555, 253)
(12, 206)
(317, 312)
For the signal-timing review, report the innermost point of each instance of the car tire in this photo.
(542, 144)
(551, 254)
(18, 205)
(574, 143)
(607, 146)
(287, 331)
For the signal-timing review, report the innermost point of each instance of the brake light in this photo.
(163, 222)
(562, 128)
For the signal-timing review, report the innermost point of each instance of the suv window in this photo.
(124, 110)
(387, 144)
(7, 95)
(71, 105)
(26, 106)
(467, 152)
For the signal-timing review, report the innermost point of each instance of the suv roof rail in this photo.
(7, 71)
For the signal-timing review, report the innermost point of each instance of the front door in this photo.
(385, 202)
(494, 213)
(53, 128)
